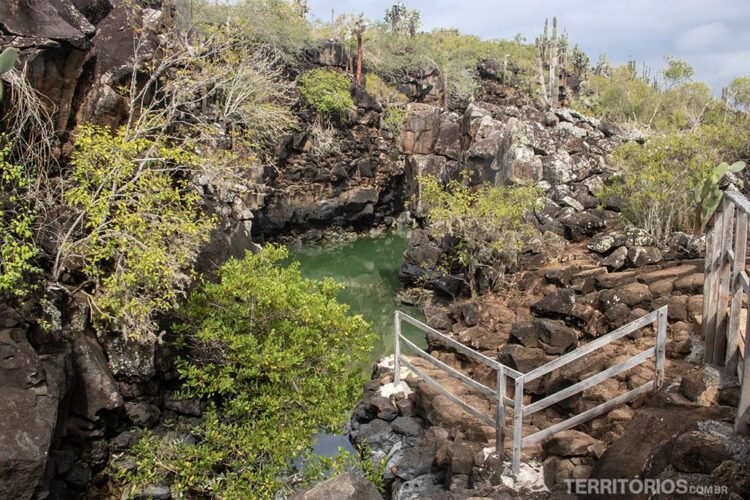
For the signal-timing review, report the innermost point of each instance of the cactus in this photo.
(708, 195)
(547, 54)
(7, 61)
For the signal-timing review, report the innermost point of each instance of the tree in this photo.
(358, 28)
(739, 92)
(488, 223)
(276, 358)
(677, 72)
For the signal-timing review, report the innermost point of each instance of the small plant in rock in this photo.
(393, 119)
(708, 195)
(327, 92)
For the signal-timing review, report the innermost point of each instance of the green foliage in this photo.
(141, 226)
(274, 23)
(487, 221)
(393, 119)
(274, 354)
(677, 71)
(739, 92)
(327, 92)
(708, 195)
(384, 93)
(17, 248)
(659, 177)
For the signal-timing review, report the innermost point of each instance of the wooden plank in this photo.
(744, 281)
(591, 346)
(709, 279)
(458, 346)
(742, 421)
(436, 385)
(490, 393)
(589, 382)
(739, 200)
(661, 345)
(733, 328)
(589, 414)
(722, 308)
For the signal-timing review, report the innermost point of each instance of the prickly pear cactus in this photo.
(7, 61)
(708, 195)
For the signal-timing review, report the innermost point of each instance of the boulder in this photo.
(554, 337)
(641, 256)
(698, 452)
(571, 443)
(616, 259)
(345, 486)
(421, 128)
(96, 389)
(31, 389)
(701, 385)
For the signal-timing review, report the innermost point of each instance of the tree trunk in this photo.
(359, 59)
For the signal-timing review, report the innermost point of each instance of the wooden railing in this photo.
(520, 380)
(725, 285)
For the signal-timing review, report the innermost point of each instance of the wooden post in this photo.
(725, 276)
(709, 284)
(742, 422)
(733, 330)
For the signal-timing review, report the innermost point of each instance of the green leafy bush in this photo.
(274, 354)
(658, 178)
(327, 92)
(17, 248)
(136, 228)
(487, 221)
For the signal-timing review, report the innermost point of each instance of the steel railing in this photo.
(520, 380)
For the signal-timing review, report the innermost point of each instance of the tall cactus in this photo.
(547, 54)
(7, 61)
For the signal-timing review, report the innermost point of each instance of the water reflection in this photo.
(368, 269)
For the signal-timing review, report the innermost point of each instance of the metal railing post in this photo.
(500, 415)
(661, 341)
(517, 425)
(397, 353)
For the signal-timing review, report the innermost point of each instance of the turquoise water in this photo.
(368, 269)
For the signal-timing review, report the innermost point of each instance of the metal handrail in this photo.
(498, 395)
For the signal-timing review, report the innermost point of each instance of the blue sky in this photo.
(713, 35)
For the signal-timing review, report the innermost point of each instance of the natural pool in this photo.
(368, 268)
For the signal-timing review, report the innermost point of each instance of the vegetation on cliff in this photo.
(271, 352)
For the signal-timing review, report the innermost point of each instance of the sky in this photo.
(712, 35)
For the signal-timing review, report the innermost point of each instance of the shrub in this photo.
(658, 178)
(393, 119)
(383, 92)
(136, 226)
(274, 355)
(323, 140)
(17, 249)
(327, 92)
(488, 223)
